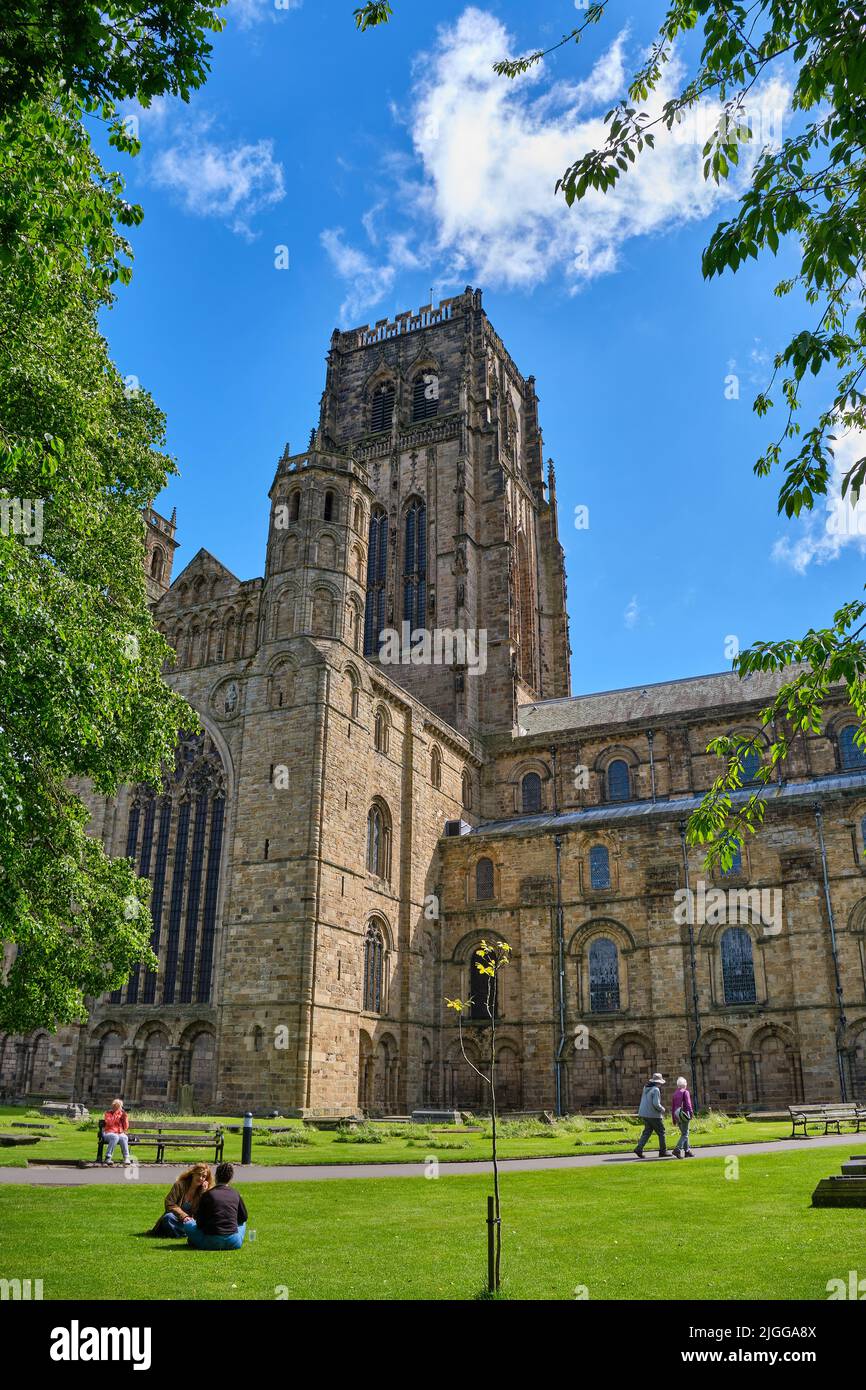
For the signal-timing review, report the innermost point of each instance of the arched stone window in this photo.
(751, 763)
(738, 967)
(599, 866)
(354, 694)
(295, 505)
(530, 793)
(175, 836)
(353, 623)
(851, 755)
(358, 517)
(618, 780)
(374, 969)
(329, 507)
(157, 563)
(415, 564)
(281, 685)
(382, 407)
(377, 570)
(425, 395)
(324, 609)
(379, 840)
(466, 791)
(436, 768)
(484, 879)
(603, 976)
(381, 731)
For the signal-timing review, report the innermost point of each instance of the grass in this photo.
(619, 1231)
(394, 1143)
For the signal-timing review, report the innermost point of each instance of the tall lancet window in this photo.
(525, 614)
(377, 570)
(415, 564)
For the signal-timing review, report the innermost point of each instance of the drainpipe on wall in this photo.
(555, 797)
(650, 735)
(842, 1023)
(693, 967)
(560, 947)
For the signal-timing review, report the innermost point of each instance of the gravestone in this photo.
(61, 1109)
(187, 1104)
(846, 1190)
(436, 1117)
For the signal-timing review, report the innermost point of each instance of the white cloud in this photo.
(488, 151)
(230, 181)
(632, 612)
(824, 533)
(248, 13)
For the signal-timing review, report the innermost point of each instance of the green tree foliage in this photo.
(82, 698)
(105, 52)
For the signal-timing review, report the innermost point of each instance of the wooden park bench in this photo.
(854, 1112)
(160, 1136)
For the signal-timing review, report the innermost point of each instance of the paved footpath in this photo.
(159, 1174)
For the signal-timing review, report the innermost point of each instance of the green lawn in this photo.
(635, 1231)
(398, 1143)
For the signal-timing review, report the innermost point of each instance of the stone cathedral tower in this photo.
(462, 537)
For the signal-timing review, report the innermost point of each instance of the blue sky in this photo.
(393, 162)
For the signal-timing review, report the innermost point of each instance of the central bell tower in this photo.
(462, 582)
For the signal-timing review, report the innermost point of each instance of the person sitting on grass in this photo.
(221, 1219)
(182, 1202)
(652, 1112)
(115, 1124)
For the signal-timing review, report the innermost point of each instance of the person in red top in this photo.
(115, 1123)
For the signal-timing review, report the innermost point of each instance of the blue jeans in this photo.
(171, 1225)
(199, 1241)
(683, 1120)
(653, 1127)
(111, 1143)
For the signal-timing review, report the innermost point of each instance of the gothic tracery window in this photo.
(415, 564)
(603, 976)
(175, 835)
(377, 570)
(425, 395)
(382, 407)
(738, 967)
(379, 841)
(374, 969)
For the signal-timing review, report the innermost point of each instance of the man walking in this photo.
(651, 1111)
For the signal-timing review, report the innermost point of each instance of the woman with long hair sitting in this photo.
(182, 1200)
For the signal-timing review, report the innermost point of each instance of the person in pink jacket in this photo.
(115, 1123)
(682, 1111)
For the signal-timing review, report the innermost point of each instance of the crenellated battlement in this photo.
(409, 322)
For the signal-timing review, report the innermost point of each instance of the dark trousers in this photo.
(653, 1127)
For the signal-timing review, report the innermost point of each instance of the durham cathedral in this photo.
(360, 811)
